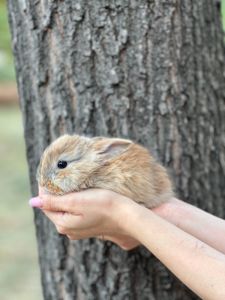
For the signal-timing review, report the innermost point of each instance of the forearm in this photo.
(196, 264)
(196, 222)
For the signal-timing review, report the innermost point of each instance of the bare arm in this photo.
(204, 226)
(196, 264)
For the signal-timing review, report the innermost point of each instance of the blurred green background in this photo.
(19, 271)
(223, 13)
(6, 61)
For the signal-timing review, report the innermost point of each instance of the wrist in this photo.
(174, 211)
(125, 212)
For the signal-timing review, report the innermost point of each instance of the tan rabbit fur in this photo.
(108, 163)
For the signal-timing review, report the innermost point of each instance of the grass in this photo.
(19, 275)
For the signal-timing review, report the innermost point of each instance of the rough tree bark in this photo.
(150, 70)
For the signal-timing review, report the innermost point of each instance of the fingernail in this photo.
(35, 202)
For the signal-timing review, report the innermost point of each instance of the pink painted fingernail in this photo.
(36, 202)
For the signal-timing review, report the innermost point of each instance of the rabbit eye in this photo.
(62, 164)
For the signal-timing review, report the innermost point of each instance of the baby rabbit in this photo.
(74, 163)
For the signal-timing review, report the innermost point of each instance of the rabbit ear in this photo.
(110, 148)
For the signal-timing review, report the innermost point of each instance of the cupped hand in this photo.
(90, 213)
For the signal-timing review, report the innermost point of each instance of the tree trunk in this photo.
(151, 71)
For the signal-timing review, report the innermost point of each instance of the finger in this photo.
(56, 203)
(67, 228)
(55, 217)
(64, 203)
(73, 202)
(64, 219)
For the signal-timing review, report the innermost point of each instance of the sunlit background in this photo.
(19, 271)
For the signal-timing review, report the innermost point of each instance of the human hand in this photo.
(90, 213)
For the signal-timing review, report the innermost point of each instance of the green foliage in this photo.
(5, 38)
(6, 61)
